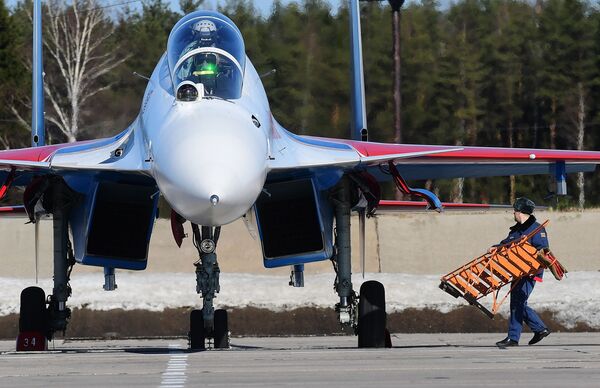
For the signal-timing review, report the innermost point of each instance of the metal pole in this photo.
(396, 18)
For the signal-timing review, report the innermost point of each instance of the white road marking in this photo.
(174, 375)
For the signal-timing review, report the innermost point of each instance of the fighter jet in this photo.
(206, 141)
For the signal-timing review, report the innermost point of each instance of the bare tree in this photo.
(4, 143)
(73, 38)
(580, 135)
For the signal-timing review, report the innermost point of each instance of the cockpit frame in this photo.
(188, 44)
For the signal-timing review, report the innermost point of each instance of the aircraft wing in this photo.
(124, 153)
(415, 161)
(470, 162)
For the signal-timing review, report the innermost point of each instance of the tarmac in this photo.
(423, 360)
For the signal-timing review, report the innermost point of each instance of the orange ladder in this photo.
(491, 271)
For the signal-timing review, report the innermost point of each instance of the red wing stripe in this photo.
(470, 153)
(39, 154)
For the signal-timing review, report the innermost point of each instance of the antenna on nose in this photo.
(268, 73)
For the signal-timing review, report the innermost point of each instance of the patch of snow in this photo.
(575, 299)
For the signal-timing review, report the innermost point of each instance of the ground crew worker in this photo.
(519, 311)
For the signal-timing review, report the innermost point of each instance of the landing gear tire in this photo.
(221, 331)
(32, 316)
(33, 321)
(372, 316)
(197, 334)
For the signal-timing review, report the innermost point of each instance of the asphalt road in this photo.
(424, 360)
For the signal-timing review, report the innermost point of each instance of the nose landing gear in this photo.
(207, 324)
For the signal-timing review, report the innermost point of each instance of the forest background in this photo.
(478, 72)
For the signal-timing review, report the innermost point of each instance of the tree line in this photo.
(508, 73)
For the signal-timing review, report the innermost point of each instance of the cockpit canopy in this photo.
(207, 48)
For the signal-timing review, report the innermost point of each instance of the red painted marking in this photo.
(12, 210)
(29, 341)
(7, 182)
(34, 154)
(37, 154)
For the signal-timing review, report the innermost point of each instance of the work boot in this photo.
(506, 343)
(538, 336)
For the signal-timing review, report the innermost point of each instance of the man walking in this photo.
(519, 311)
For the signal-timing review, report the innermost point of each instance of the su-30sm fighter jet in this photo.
(205, 140)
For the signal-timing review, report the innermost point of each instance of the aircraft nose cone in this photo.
(211, 163)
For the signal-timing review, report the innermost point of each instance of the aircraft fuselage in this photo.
(209, 155)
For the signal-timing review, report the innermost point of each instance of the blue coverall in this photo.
(519, 311)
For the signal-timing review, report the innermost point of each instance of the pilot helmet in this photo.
(524, 205)
(206, 31)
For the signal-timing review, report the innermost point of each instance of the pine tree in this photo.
(15, 81)
(506, 55)
(421, 33)
(188, 6)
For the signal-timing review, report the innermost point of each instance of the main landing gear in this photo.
(39, 317)
(366, 313)
(207, 323)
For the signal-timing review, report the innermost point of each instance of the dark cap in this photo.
(524, 205)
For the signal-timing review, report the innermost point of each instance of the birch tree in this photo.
(73, 39)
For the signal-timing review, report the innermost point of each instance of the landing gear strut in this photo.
(58, 312)
(365, 314)
(38, 322)
(346, 308)
(207, 323)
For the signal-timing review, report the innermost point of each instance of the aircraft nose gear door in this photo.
(207, 323)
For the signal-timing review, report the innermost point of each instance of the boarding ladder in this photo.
(503, 265)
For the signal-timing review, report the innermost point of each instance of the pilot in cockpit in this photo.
(205, 32)
(212, 55)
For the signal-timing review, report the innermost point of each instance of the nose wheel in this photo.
(217, 330)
